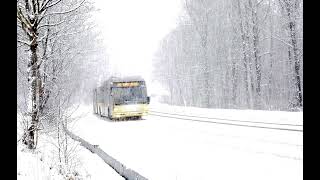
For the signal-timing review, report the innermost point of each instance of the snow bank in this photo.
(42, 164)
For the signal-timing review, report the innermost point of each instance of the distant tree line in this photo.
(234, 54)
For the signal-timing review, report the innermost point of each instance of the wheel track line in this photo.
(257, 122)
(224, 123)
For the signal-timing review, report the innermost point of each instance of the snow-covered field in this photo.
(165, 148)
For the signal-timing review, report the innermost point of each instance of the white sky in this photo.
(132, 30)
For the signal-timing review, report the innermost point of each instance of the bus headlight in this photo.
(116, 109)
(145, 108)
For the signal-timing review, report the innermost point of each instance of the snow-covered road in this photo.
(164, 148)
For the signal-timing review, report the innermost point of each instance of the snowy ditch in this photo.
(121, 169)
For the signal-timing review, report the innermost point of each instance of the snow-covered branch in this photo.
(47, 5)
(23, 42)
(54, 24)
(63, 12)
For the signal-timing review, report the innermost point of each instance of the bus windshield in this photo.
(125, 95)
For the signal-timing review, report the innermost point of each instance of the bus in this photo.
(121, 97)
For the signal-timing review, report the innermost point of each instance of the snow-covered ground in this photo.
(42, 163)
(166, 148)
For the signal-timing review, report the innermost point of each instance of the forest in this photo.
(238, 54)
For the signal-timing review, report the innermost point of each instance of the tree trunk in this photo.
(234, 84)
(270, 63)
(291, 8)
(34, 81)
(206, 79)
(255, 31)
(204, 43)
(29, 24)
(298, 92)
(246, 63)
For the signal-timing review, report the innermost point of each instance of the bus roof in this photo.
(126, 79)
(120, 79)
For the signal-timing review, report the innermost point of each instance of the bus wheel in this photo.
(99, 111)
(109, 114)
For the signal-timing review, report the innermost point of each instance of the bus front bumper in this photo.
(131, 110)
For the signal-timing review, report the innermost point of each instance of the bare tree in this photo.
(38, 19)
(290, 9)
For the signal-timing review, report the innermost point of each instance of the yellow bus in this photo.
(123, 97)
